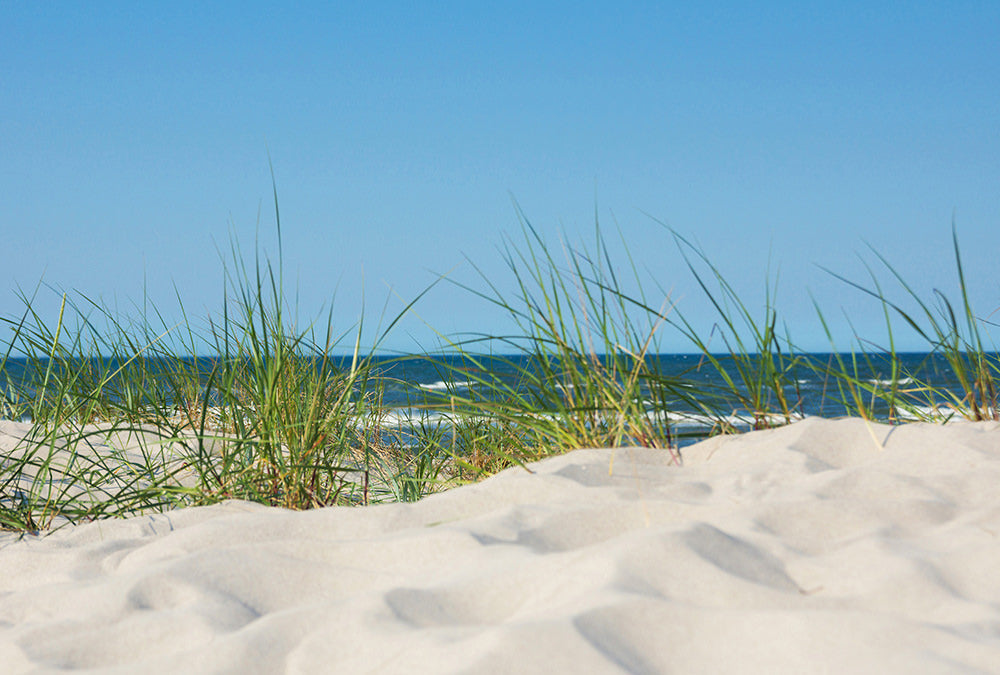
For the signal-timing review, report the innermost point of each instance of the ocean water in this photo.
(418, 388)
(809, 389)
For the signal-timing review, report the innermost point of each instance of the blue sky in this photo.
(134, 142)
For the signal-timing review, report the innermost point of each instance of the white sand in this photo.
(826, 546)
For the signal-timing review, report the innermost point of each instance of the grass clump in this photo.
(126, 417)
(958, 349)
(756, 366)
(575, 372)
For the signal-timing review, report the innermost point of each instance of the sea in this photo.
(925, 381)
(417, 388)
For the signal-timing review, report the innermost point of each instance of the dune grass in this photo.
(124, 415)
(950, 329)
(274, 416)
(758, 359)
(582, 378)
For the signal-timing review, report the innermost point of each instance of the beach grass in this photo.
(758, 358)
(274, 416)
(124, 415)
(582, 377)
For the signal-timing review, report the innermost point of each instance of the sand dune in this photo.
(825, 546)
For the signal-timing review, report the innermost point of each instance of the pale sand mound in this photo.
(826, 546)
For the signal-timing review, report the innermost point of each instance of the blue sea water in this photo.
(809, 389)
(411, 383)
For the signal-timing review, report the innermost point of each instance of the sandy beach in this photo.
(824, 546)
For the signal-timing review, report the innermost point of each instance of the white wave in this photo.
(441, 385)
(928, 413)
(408, 417)
(737, 420)
(888, 383)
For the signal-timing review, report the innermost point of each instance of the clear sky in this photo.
(134, 140)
